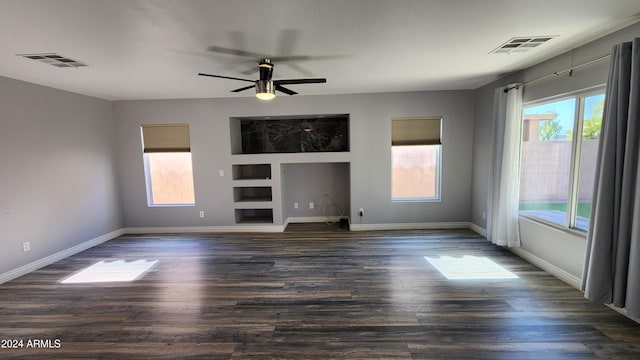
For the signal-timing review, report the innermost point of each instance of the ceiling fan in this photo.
(265, 86)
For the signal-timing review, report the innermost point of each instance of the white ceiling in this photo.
(154, 49)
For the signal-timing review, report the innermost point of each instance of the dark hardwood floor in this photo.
(306, 294)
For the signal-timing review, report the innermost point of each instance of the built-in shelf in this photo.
(251, 172)
(290, 134)
(254, 216)
(252, 194)
(263, 147)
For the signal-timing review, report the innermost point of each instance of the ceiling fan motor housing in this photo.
(266, 69)
(265, 86)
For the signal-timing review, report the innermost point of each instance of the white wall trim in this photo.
(479, 230)
(290, 220)
(410, 226)
(533, 259)
(231, 228)
(313, 219)
(568, 278)
(622, 311)
(38, 264)
(204, 229)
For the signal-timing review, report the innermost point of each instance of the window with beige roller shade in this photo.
(416, 131)
(166, 138)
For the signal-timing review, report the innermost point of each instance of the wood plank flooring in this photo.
(306, 294)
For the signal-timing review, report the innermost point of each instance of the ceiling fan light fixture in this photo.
(265, 90)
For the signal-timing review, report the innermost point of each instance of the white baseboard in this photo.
(204, 229)
(410, 226)
(478, 229)
(312, 219)
(533, 259)
(623, 312)
(38, 264)
(291, 220)
(241, 228)
(568, 278)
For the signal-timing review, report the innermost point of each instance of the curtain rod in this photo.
(558, 73)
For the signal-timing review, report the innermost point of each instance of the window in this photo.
(559, 149)
(167, 165)
(415, 159)
(591, 123)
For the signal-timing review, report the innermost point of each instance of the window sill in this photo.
(556, 226)
(170, 205)
(415, 200)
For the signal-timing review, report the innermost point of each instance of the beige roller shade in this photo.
(166, 138)
(416, 131)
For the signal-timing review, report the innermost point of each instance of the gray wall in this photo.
(304, 183)
(59, 185)
(563, 249)
(370, 155)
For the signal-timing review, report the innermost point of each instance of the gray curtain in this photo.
(612, 267)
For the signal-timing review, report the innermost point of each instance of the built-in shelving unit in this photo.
(264, 147)
(251, 172)
(254, 216)
(290, 134)
(252, 193)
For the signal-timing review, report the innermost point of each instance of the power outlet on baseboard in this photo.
(26, 246)
(361, 212)
(201, 213)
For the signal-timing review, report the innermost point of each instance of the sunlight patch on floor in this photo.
(111, 271)
(469, 267)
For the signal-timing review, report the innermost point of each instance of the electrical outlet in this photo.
(221, 173)
(26, 246)
(295, 205)
(361, 212)
(311, 205)
(201, 214)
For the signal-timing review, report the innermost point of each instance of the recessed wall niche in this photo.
(290, 134)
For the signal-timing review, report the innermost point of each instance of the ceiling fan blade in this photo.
(298, 68)
(226, 77)
(281, 59)
(244, 88)
(238, 40)
(285, 90)
(287, 39)
(236, 52)
(300, 81)
(252, 70)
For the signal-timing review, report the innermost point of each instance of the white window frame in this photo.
(576, 147)
(437, 197)
(149, 186)
(164, 138)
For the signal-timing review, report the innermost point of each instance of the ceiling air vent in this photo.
(54, 59)
(521, 44)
